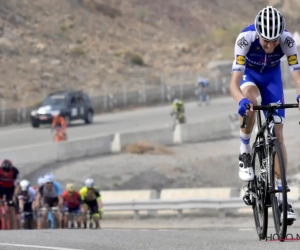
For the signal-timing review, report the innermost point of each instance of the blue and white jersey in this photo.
(201, 82)
(250, 54)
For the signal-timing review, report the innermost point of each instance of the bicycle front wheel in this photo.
(28, 222)
(279, 208)
(260, 210)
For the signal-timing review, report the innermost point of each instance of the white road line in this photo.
(167, 230)
(37, 247)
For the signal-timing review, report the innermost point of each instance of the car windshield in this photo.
(55, 100)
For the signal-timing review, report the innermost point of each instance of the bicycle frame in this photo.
(261, 140)
(50, 218)
(27, 220)
(72, 222)
(59, 135)
(90, 220)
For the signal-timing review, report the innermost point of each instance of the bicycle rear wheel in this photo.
(257, 186)
(28, 222)
(279, 216)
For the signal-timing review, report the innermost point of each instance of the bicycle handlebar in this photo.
(271, 106)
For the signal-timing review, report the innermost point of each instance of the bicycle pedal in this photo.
(246, 199)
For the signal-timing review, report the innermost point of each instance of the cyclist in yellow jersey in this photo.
(178, 110)
(91, 199)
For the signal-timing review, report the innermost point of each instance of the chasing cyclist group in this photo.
(21, 199)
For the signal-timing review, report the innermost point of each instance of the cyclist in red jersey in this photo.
(72, 204)
(9, 187)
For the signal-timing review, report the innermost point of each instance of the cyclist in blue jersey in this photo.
(256, 79)
(201, 85)
(51, 195)
(54, 180)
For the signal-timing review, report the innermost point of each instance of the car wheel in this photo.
(35, 124)
(89, 118)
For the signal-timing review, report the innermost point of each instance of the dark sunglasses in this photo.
(271, 41)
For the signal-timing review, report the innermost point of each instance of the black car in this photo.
(71, 105)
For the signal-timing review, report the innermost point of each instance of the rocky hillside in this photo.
(95, 45)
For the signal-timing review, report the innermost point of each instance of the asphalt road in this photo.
(144, 239)
(139, 119)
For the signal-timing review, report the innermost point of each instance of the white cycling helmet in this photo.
(48, 178)
(41, 181)
(269, 23)
(89, 183)
(51, 174)
(24, 184)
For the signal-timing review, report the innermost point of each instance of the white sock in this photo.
(245, 143)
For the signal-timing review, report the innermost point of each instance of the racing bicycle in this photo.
(202, 97)
(179, 118)
(59, 134)
(27, 220)
(90, 224)
(73, 221)
(51, 221)
(5, 224)
(263, 189)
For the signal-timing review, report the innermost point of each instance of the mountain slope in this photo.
(98, 45)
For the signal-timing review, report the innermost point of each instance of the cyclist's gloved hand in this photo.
(243, 108)
(298, 98)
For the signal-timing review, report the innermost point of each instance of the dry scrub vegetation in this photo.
(145, 147)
